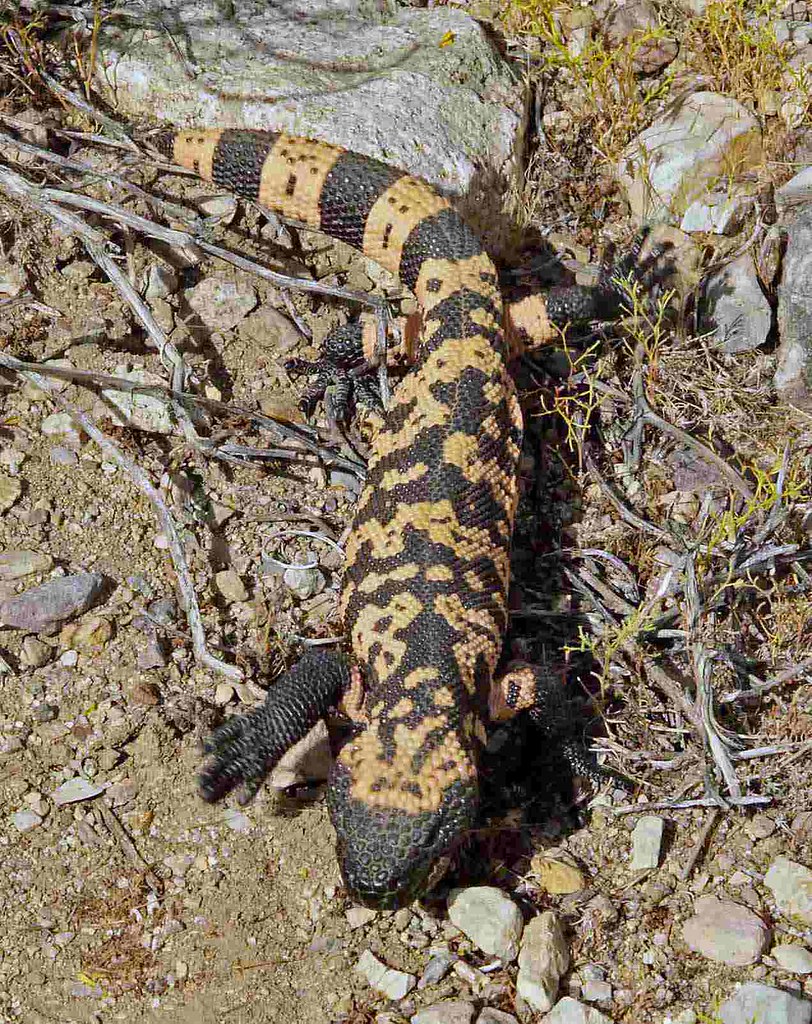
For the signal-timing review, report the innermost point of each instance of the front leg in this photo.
(246, 747)
(540, 691)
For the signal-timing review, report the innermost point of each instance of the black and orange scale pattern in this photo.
(425, 587)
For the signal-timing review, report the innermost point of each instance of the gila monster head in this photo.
(390, 856)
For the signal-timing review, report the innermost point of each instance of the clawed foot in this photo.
(611, 297)
(239, 759)
(342, 375)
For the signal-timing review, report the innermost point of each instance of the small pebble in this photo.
(75, 790)
(16, 564)
(303, 582)
(647, 838)
(358, 917)
(489, 918)
(69, 659)
(451, 1011)
(391, 983)
(231, 586)
(25, 819)
(35, 653)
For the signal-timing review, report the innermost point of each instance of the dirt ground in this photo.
(157, 907)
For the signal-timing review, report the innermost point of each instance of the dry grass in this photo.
(609, 100)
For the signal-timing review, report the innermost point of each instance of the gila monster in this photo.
(424, 597)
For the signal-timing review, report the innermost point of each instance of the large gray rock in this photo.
(677, 158)
(794, 373)
(762, 1004)
(419, 89)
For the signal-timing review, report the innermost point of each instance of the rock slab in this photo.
(420, 89)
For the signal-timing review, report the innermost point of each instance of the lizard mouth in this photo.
(390, 857)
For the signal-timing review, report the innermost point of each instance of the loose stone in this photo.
(543, 959)
(35, 653)
(357, 917)
(647, 838)
(797, 959)
(391, 983)
(451, 1011)
(726, 932)
(304, 582)
(791, 886)
(765, 1005)
(51, 603)
(570, 1011)
(75, 790)
(10, 491)
(437, 968)
(231, 586)
(596, 991)
(491, 1016)
(25, 819)
(220, 302)
(557, 876)
(489, 918)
